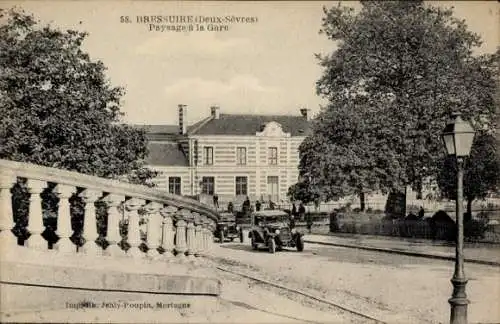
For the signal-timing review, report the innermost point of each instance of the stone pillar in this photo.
(203, 234)
(190, 237)
(7, 239)
(90, 222)
(35, 221)
(134, 237)
(154, 228)
(168, 233)
(180, 234)
(64, 228)
(113, 229)
(210, 245)
(198, 223)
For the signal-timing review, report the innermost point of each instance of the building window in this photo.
(241, 155)
(207, 185)
(241, 186)
(208, 155)
(272, 154)
(174, 185)
(273, 188)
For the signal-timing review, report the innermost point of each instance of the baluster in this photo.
(113, 231)
(190, 236)
(168, 231)
(212, 228)
(90, 222)
(198, 235)
(180, 235)
(35, 220)
(7, 238)
(154, 228)
(206, 231)
(64, 228)
(134, 237)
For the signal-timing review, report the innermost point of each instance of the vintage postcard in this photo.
(249, 161)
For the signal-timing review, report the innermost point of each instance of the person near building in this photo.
(257, 205)
(294, 210)
(302, 211)
(216, 201)
(245, 208)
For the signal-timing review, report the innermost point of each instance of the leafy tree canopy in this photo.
(482, 171)
(399, 69)
(57, 107)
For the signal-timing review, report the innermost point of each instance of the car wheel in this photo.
(272, 245)
(221, 237)
(300, 243)
(254, 245)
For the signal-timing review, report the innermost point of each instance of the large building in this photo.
(229, 155)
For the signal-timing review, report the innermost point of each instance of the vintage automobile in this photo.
(271, 229)
(227, 228)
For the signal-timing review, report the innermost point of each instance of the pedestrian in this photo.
(302, 211)
(309, 222)
(245, 208)
(257, 205)
(292, 221)
(294, 210)
(230, 207)
(421, 213)
(271, 205)
(216, 201)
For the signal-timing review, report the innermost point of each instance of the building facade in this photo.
(232, 156)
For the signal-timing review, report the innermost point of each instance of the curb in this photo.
(404, 252)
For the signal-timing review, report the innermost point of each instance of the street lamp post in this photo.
(458, 136)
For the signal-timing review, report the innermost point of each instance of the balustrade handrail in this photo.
(72, 178)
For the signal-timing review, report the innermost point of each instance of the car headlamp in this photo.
(294, 231)
(277, 231)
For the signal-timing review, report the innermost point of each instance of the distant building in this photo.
(229, 155)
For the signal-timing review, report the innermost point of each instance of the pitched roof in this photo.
(159, 129)
(167, 153)
(233, 124)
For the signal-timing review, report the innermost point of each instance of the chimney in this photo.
(305, 113)
(182, 119)
(215, 112)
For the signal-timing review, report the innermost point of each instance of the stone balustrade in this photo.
(111, 212)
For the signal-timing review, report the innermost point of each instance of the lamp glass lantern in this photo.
(458, 136)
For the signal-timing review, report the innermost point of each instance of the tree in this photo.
(399, 69)
(481, 174)
(303, 191)
(57, 107)
(59, 110)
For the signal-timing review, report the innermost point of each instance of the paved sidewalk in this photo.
(474, 253)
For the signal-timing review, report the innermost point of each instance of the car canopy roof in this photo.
(227, 216)
(270, 213)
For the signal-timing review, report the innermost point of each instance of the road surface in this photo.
(395, 288)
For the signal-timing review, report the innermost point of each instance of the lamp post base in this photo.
(458, 302)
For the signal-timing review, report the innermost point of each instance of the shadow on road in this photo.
(247, 247)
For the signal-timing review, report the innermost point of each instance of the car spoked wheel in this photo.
(300, 243)
(272, 246)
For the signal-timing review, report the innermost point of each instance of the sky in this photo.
(264, 66)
